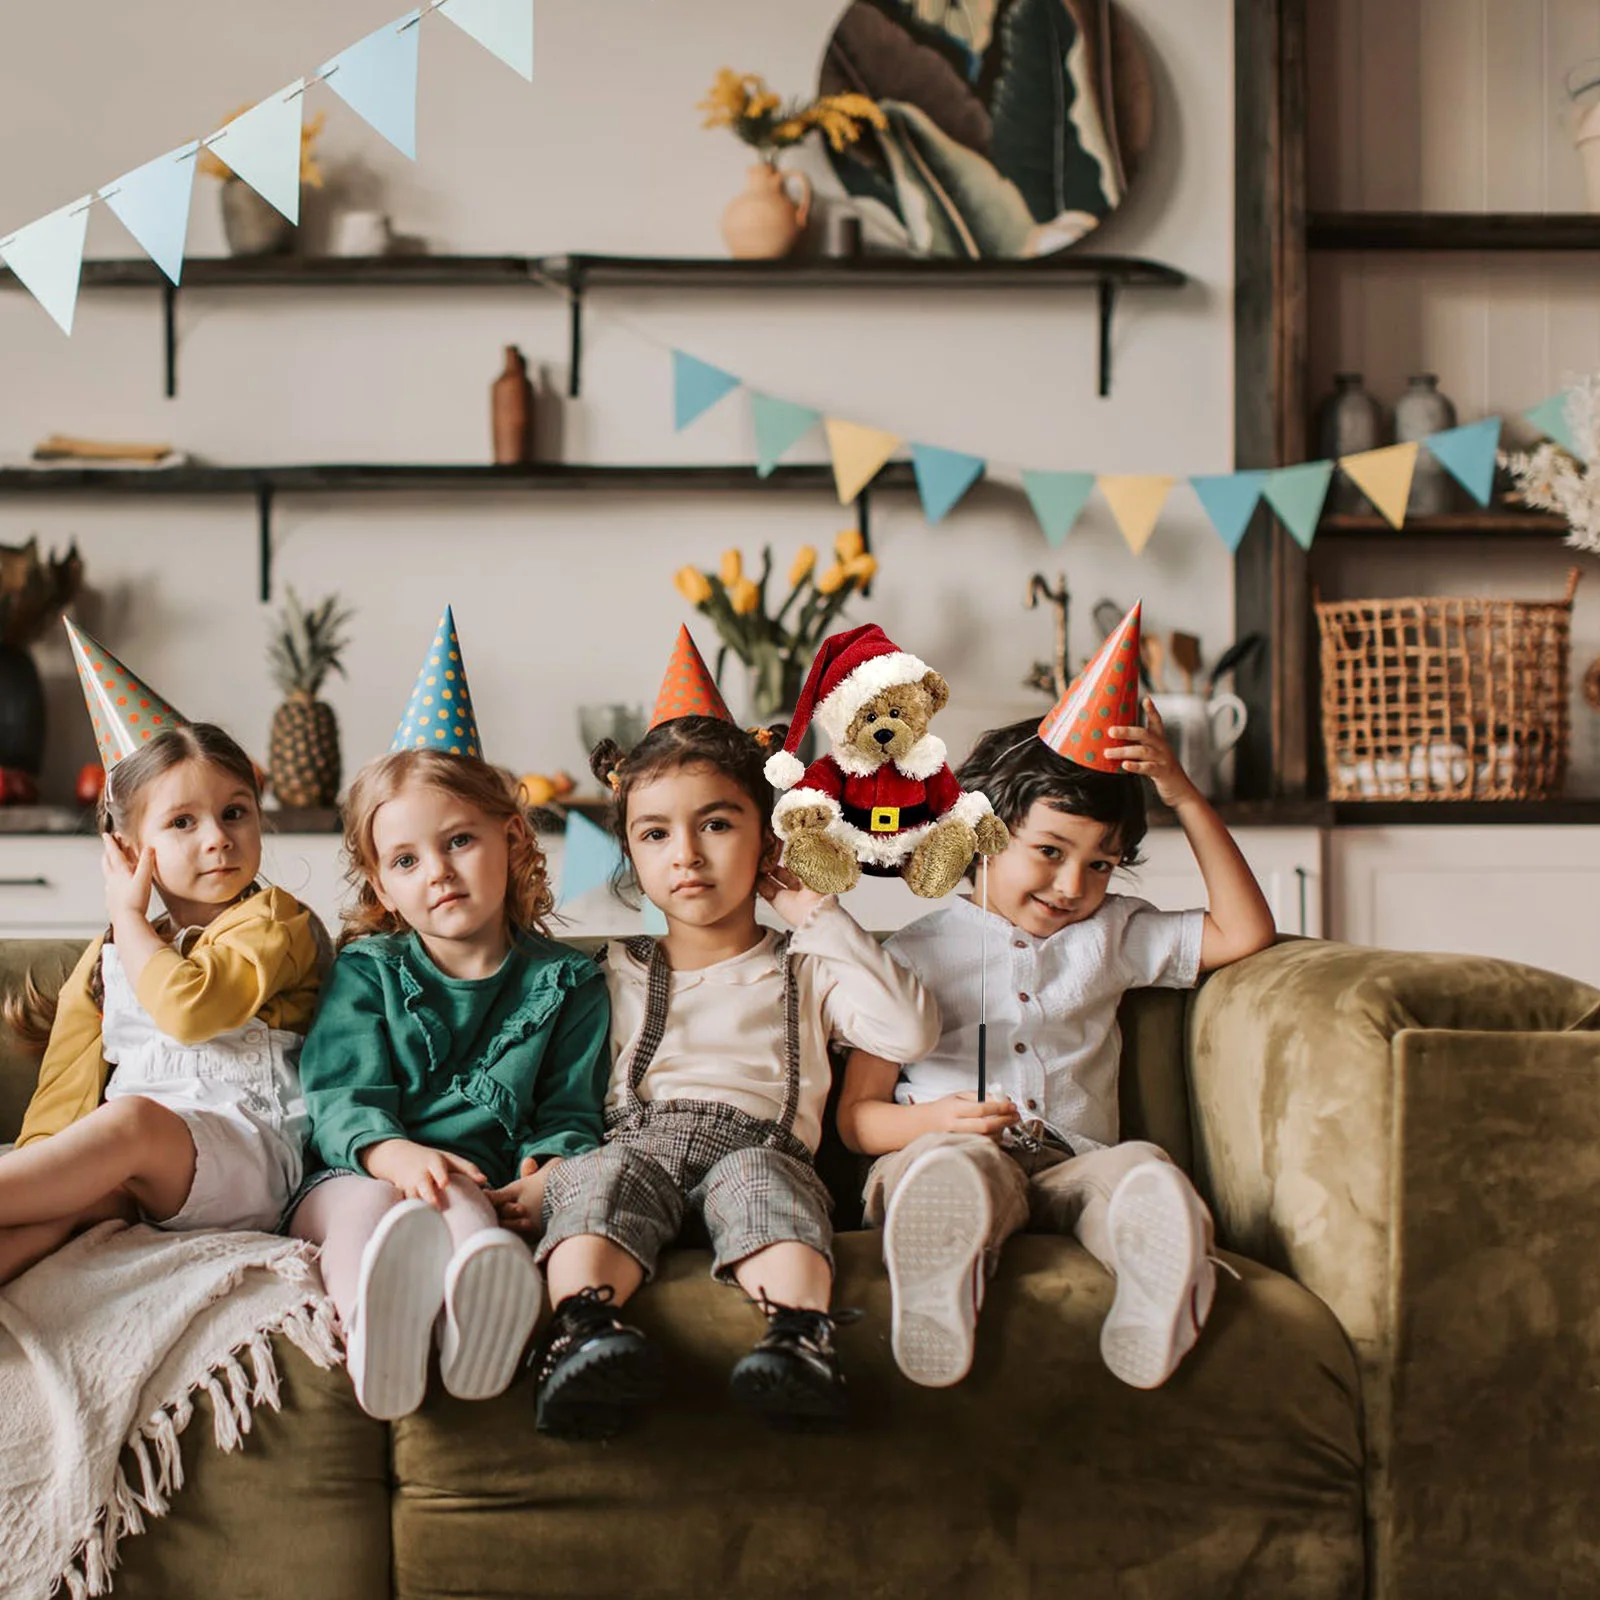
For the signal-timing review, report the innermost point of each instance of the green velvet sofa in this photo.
(1396, 1398)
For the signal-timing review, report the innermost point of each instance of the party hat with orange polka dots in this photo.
(688, 689)
(1103, 696)
(127, 713)
(439, 713)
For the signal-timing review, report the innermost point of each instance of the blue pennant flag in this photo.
(262, 146)
(47, 257)
(503, 27)
(1230, 500)
(1550, 418)
(779, 425)
(591, 857)
(1297, 495)
(152, 203)
(943, 476)
(696, 387)
(1058, 498)
(1468, 455)
(377, 78)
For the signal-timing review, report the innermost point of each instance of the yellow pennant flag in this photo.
(1136, 502)
(1384, 477)
(858, 453)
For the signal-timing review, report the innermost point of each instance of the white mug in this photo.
(1201, 732)
(361, 233)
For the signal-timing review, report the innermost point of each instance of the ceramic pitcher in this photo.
(765, 221)
(1201, 732)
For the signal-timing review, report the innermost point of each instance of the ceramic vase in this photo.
(253, 226)
(1422, 410)
(764, 221)
(22, 710)
(1348, 422)
(511, 412)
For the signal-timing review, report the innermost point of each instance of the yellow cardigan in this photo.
(260, 957)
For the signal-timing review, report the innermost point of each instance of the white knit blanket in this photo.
(102, 1346)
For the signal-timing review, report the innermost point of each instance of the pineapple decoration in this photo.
(303, 752)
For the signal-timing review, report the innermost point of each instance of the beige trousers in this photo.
(1045, 1190)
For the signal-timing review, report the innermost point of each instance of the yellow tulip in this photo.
(743, 596)
(849, 544)
(692, 585)
(732, 568)
(863, 568)
(805, 559)
(832, 580)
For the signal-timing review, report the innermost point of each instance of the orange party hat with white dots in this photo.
(688, 690)
(439, 713)
(1103, 696)
(127, 713)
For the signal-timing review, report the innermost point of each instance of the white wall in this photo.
(1455, 105)
(562, 601)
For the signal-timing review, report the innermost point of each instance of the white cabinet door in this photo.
(1528, 894)
(1287, 862)
(51, 886)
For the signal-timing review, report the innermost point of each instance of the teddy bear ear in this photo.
(937, 688)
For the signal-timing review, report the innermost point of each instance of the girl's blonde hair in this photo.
(31, 1011)
(492, 790)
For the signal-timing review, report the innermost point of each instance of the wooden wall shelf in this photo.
(1452, 230)
(1495, 523)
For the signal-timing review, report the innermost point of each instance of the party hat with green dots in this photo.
(1103, 696)
(439, 713)
(127, 713)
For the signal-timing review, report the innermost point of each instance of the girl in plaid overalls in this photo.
(721, 1033)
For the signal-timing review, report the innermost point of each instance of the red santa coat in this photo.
(883, 812)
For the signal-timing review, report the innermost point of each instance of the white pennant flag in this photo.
(262, 146)
(377, 79)
(47, 257)
(502, 27)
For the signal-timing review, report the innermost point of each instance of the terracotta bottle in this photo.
(511, 408)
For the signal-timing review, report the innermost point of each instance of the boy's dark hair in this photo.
(684, 742)
(1016, 768)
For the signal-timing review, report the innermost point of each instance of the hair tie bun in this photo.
(614, 778)
(762, 737)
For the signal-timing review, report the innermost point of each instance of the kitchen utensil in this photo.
(1185, 657)
(1155, 655)
(1240, 651)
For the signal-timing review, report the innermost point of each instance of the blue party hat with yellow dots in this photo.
(439, 713)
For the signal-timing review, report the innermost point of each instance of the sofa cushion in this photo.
(1041, 1474)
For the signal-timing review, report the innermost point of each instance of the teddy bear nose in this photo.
(884, 735)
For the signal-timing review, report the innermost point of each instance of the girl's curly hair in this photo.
(492, 790)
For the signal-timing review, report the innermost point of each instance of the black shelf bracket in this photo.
(169, 323)
(264, 540)
(1108, 305)
(575, 336)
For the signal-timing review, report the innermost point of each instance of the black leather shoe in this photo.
(593, 1368)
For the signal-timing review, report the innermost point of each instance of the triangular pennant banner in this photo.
(943, 476)
(152, 203)
(1297, 495)
(696, 387)
(779, 425)
(503, 27)
(377, 78)
(1230, 500)
(1550, 417)
(262, 146)
(1057, 499)
(1136, 501)
(1384, 477)
(858, 454)
(47, 257)
(1468, 455)
(590, 857)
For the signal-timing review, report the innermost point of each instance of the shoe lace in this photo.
(798, 1324)
(580, 1315)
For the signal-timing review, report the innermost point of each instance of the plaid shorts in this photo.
(751, 1182)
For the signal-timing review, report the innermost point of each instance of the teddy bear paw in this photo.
(993, 835)
(938, 862)
(820, 862)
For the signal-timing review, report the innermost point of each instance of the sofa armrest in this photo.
(1349, 1106)
(49, 960)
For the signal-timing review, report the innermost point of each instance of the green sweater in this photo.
(493, 1069)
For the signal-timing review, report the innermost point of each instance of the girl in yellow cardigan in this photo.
(201, 1012)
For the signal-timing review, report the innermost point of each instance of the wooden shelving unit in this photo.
(1505, 522)
(1452, 230)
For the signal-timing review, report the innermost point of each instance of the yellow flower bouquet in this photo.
(743, 102)
(777, 649)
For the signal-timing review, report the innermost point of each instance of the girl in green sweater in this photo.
(459, 1054)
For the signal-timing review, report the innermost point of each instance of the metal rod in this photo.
(264, 539)
(1108, 302)
(575, 341)
(169, 303)
(983, 984)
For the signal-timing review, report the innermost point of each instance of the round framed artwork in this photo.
(1014, 126)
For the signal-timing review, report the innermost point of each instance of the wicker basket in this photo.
(1446, 699)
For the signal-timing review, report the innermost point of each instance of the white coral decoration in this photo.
(1552, 479)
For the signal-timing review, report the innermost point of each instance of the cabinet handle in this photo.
(24, 883)
(1301, 875)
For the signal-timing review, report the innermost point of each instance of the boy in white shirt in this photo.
(954, 1177)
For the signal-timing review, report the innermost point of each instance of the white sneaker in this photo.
(491, 1302)
(398, 1296)
(1160, 1234)
(934, 1235)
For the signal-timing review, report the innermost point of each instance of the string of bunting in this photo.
(376, 78)
(1136, 500)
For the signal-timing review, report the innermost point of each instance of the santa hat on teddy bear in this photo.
(1103, 696)
(850, 668)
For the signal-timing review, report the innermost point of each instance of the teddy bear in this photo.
(883, 799)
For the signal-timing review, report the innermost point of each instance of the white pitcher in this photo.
(1201, 732)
